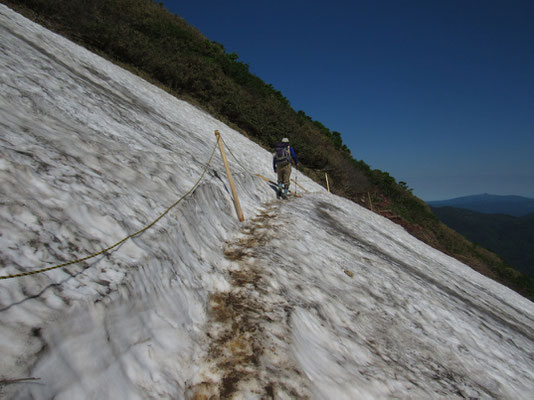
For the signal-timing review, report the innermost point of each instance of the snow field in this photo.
(199, 303)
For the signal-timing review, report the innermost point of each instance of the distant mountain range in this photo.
(502, 224)
(490, 204)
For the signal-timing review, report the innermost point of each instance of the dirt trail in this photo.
(249, 327)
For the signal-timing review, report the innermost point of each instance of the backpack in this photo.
(282, 155)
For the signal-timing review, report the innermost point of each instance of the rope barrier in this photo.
(235, 158)
(122, 240)
(146, 227)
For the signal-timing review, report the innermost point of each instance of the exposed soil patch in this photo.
(243, 351)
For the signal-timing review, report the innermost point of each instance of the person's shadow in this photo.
(274, 186)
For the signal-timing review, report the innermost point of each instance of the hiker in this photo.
(283, 157)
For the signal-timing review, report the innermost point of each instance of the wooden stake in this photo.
(370, 202)
(230, 179)
(327, 184)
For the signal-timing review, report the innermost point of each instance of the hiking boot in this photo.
(280, 191)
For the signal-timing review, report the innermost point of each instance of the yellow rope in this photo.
(122, 240)
(235, 158)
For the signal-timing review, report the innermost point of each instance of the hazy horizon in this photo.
(481, 194)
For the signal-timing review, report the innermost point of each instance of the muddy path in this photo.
(249, 352)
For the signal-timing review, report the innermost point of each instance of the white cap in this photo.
(285, 140)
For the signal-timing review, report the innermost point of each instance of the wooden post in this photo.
(327, 184)
(230, 179)
(370, 202)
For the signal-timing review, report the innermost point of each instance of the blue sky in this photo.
(440, 94)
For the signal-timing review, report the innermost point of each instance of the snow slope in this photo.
(314, 297)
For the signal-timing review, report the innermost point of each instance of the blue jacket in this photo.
(293, 156)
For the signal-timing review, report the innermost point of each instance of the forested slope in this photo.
(509, 236)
